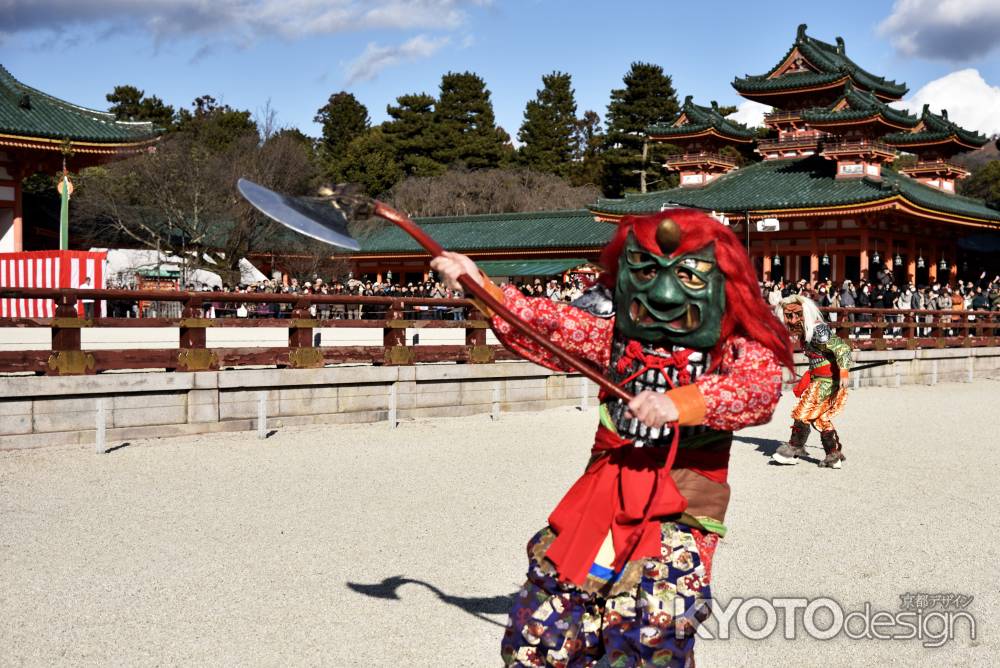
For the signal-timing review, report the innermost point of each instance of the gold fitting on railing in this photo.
(480, 355)
(71, 363)
(305, 358)
(71, 323)
(303, 323)
(399, 355)
(197, 359)
(196, 323)
(400, 324)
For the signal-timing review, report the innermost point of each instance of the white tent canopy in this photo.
(124, 263)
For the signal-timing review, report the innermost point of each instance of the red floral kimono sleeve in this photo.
(577, 331)
(746, 389)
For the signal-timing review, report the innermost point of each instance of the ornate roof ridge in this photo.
(796, 184)
(830, 59)
(701, 118)
(55, 117)
(862, 103)
(510, 215)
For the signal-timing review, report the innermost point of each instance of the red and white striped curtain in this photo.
(48, 269)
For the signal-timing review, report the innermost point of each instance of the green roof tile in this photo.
(860, 104)
(545, 267)
(832, 62)
(700, 119)
(509, 231)
(791, 184)
(936, 128)
(29, 112)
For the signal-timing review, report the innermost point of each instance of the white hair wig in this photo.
(811, 315)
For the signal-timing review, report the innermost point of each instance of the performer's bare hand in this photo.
(653, 409)
(452, 265)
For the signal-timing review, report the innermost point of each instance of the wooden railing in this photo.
(66, 356)
(859, 146)
(891, 329)
(868, 329)
(934, 165)
(704, 156)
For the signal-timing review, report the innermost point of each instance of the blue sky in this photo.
(296, 53)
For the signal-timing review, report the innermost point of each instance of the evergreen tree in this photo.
(587, 164)
(647, 98)
(465, 126)
(411, 134)
(370, 160)
(548, 134)
(215, 126)
(128, 103)
(343, 120)
(984, 183)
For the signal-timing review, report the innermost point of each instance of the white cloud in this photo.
(376, 58)
(235, 21)
(749, 113)
(970, 100)
(955, 30)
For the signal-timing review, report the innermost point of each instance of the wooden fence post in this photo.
(67, 359)
(301, 352)
(475, 339)
(394, 337)
(193, 354)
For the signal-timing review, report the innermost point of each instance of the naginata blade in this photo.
(316, 217)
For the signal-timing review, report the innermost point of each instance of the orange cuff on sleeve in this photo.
(494, 291)
(690, 404)
(843, 374)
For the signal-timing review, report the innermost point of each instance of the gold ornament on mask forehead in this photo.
(668, 236)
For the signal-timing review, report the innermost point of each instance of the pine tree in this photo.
(215, 126)
(371, 161)
(548, 134)
(647, 98)
(343, 119)
(412, 136)
(587, 163)
(128, 103)
(466, 131)
(984, 183)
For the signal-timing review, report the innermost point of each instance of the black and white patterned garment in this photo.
(652, 379)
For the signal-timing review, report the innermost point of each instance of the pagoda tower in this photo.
(702, 133)
(812, 75)
(935, 140)
(852, 126)
(835, 208)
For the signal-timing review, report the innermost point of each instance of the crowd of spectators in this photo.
(553, 289)
(982, 294)
(432, 289)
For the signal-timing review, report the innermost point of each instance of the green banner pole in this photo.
(64, 215)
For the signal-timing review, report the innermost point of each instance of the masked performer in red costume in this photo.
(624, 565)
(822, 390)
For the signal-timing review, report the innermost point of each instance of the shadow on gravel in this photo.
(474, 605)
(768, 446)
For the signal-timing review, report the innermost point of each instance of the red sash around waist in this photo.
(625, 491)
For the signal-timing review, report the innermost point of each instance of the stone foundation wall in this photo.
(37, 411)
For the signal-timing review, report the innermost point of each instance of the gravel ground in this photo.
(364, 546)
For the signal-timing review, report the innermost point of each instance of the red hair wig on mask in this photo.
(746, 312)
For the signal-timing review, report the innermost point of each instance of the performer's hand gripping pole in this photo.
(326, 219)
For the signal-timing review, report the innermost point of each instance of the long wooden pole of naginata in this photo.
(482, 294)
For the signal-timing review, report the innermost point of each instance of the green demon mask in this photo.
(663, 300)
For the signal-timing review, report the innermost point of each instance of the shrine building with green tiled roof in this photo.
(825, 186)
(39, 131)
